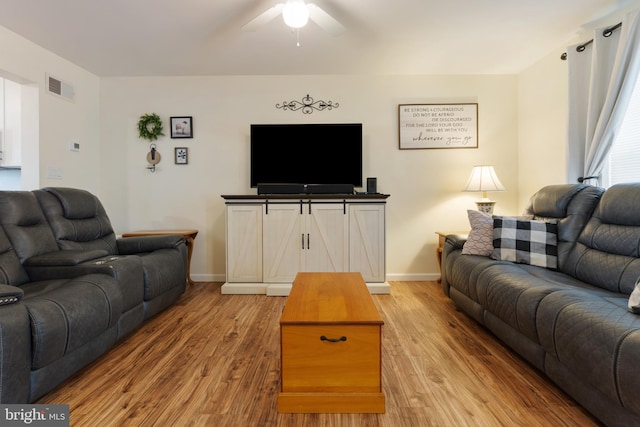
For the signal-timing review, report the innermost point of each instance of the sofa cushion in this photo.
(570, 205)
(553, 201)
(464, 276)
(76, 203)
(162, 271)
(11, 270)
(513, 292)
(67, 314)
(25, 225)
(619, 205)
(525, 241)
(77, 218)
(593, 333)
(628, 362)
(607, 253)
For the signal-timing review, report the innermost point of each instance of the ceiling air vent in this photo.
(59, 88)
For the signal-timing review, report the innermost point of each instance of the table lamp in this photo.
(483, 178)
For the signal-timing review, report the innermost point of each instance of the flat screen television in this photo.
(306, 154)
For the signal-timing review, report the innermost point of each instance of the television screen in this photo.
(306, 154)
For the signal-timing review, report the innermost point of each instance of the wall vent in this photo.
(59, 88)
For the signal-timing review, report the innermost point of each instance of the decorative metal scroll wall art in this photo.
(307, 105)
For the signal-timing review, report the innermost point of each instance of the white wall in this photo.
(50, 122)
(542, 126)
(424, 184)
(11, 123)
(543, 115)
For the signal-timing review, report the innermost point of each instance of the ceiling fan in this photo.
(296, 15)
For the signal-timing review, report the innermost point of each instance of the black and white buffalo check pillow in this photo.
(525, 241)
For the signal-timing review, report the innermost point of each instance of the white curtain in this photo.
(601, 81)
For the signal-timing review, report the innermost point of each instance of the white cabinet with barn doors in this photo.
(270, 239)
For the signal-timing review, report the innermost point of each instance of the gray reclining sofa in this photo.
(69, 289)
(571, 322)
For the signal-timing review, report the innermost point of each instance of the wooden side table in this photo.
(442, 236)
(189, 237)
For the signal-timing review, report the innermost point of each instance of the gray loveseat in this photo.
(572, 323)
(69, 289)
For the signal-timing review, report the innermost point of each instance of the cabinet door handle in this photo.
(302, 239)
(342, 338)
(308, 242)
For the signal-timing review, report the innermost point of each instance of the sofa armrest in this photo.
(15, 346)
(111, 265)
(10, 294)
(68, 264)
(141, 244)
(453, 244)
(456, 241)
(65, 258)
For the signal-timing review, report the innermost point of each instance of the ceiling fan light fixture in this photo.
(295, 14)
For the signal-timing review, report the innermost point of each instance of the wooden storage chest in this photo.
(330, 334)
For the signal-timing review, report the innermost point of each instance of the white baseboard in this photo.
(379, 288)
(418, 277)
(278, 289)
(283, 289)
(243, 289)
(209, 277)
(394, 277)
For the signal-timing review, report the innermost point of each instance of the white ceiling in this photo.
(204, 37)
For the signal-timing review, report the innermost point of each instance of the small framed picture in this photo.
(181, 155)
(182, 127)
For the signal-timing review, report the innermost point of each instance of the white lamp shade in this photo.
(295, 14)
(483, 178)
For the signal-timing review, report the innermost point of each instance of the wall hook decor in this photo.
(307, 105)
(153, 157)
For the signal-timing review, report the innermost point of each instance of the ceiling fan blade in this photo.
(324, 20)
(263, 18)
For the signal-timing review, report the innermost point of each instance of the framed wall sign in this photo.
(438, 126)
(181, 155)
(182, 127)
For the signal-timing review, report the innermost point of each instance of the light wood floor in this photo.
(213, 360)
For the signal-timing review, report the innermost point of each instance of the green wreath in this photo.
(150, 127)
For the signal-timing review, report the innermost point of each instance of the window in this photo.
(623, 163)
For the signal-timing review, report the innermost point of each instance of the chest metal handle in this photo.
(323, 338)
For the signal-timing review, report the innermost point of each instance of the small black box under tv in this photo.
(329, 189)
(305, 188)
(281, 188)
